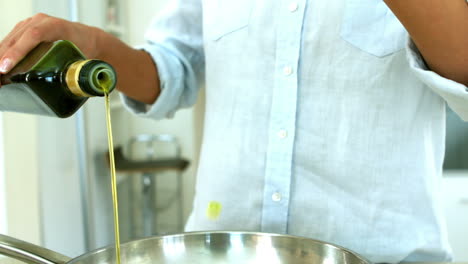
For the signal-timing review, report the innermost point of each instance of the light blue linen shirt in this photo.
(321, 120)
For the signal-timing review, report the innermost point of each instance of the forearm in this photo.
(137, 75)
(439, 28)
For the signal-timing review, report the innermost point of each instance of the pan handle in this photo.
(29, 253)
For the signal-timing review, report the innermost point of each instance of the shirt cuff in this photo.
(454, 93)
(166, 103)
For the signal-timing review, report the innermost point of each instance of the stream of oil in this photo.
(113, 179)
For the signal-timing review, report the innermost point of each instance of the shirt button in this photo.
(287, 70)
(276, 197)
(293, 7)
(282, 133)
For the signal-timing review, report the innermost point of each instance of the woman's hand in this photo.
(137, 73)
(28, 33)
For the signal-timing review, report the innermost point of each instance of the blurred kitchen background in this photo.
(54, 181)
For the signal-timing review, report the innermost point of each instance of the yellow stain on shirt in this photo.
(213, 210)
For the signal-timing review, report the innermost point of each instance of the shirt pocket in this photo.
(372, 27)
(225, 17)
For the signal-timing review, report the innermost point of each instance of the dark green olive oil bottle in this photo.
(54, 79)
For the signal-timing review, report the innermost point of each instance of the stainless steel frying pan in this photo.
(198, 247)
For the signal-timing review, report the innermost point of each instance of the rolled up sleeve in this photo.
(454, 93)
(175, 43)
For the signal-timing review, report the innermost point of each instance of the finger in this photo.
(25, 43)
(19, 30)
(9, 43)
(47, 29)
(15, 29)
(9, 39)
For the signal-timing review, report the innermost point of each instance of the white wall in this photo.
(26, 196)
(140, 14)
(61, 214)
(69, 207)
(20, 150)
(62, 207)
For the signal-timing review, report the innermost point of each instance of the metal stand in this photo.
(146, 169)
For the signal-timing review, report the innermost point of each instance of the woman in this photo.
(323, 118)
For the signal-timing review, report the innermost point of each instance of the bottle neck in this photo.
(87, 78)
